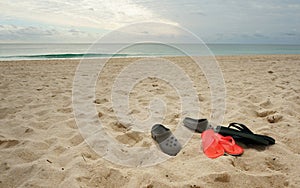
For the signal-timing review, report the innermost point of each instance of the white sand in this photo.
(41, 145)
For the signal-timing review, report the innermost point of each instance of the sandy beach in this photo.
(41, 145)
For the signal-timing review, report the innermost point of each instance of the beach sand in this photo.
(41, 145)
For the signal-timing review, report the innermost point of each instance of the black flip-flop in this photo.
(243, 134)
(165, 139)
(197, 125)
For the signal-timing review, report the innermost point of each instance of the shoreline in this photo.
(138, 57)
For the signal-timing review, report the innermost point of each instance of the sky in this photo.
(214, 21)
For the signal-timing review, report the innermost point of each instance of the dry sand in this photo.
(41, 146)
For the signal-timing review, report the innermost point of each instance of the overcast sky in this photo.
(215, 21)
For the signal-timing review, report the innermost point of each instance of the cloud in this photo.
(270, 17)
(103, 14)
(140, 32)
(289, 34)
(212, 20)
(258, 35)
(12, 33)
(149, 32)
(199, 13)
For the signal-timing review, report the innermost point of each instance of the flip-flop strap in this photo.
(226, 140)
(243, 135)
(245, 129)
(240, 127)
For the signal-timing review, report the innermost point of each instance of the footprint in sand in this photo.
(42, 113)
(274, 164)
(4, 112)
(134, 111)
(108, 177)
(130, 138)
(27, 155)
(65, 110)
(117, 126)
(76, 140)
(274, 118)
(266, 104)
(272, 115)
(264, 113)
(219, 177)
(173, 118)
(100, 101)
(89, 155)
(254, 98)
(8, 143)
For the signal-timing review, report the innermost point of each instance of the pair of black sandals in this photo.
(239, 132)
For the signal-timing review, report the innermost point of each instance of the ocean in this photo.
(85, 50)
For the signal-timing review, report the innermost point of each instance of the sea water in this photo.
(80, 50)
